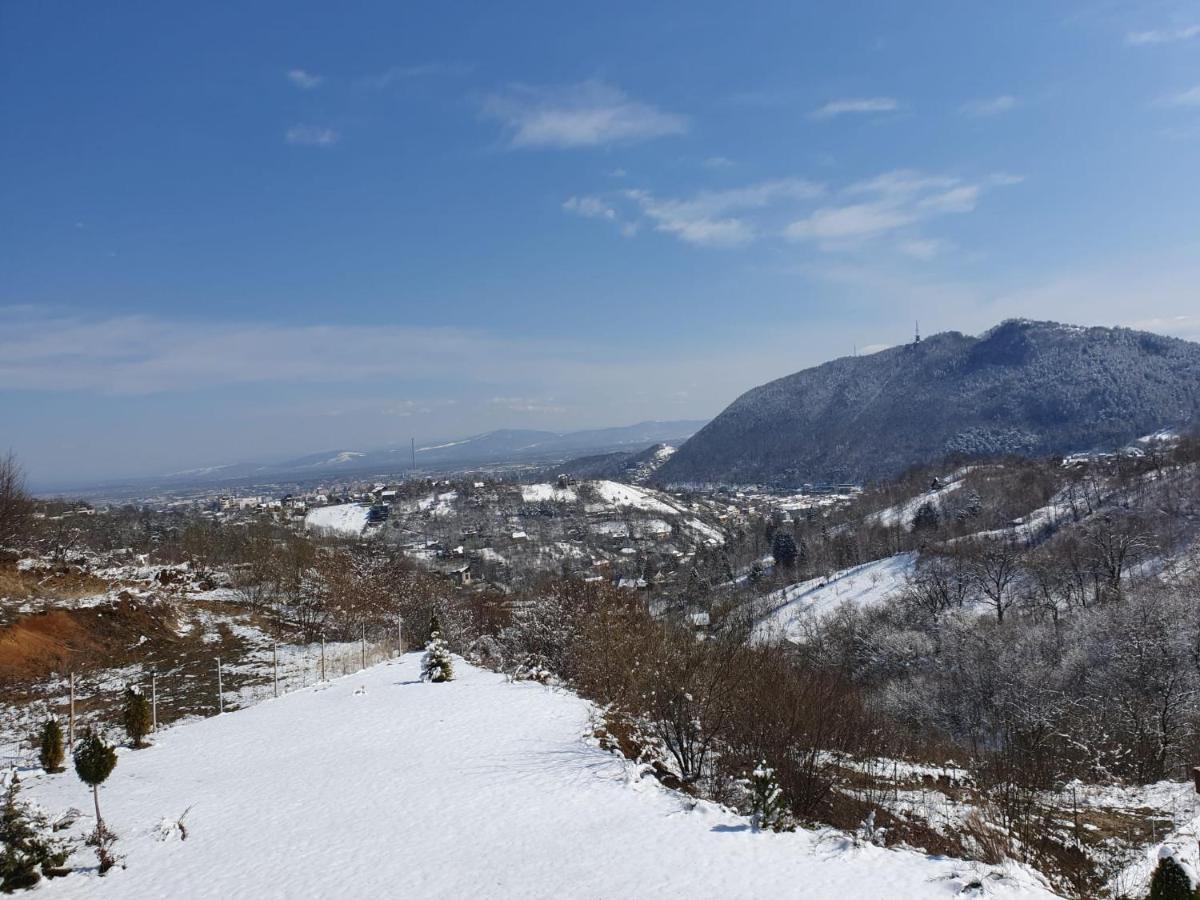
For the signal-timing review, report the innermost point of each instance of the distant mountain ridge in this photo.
(490, 448)
(1033, 388)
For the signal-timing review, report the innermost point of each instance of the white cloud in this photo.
(719, 162)
(923, 249)
(855, 221)
(587, 114)
(856, 105)
(400, 74)
(992, 106)
(1190, 97)
(306, 81)
(312, 136)
(1163, 36)
(890, 202)
(590, 208)
(708, 217)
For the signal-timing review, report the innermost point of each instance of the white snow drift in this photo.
(378, 785)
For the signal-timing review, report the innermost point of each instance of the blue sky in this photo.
(234, 231)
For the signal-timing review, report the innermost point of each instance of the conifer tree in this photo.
(94, 762)
(927, 517)
(436, 666)
(1170, 881)
(27, 851)
(50, 746)
(767, 810)
(136, 717)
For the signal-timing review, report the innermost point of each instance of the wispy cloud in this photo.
(590, 208)
(400, 74)
(855, 105)
(306, 81)
(312, 136)
(888, 203)
(718, 162)
(721, 218)
(992, 106)
(1162, 36)
(588, 114)
(1190, 97)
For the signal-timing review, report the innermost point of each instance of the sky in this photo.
(246, 231)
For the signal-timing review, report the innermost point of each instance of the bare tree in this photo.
(16, 506)
(994, 565)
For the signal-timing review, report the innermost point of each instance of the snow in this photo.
(864, 585)
(347, 518)
(617, 494)
(538, 493)
(903, 513)
(378, 785)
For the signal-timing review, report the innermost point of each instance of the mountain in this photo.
(1033, 388)
(635, 467)
(502, 447)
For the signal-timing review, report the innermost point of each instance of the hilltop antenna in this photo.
(917, 327)
(414, 453)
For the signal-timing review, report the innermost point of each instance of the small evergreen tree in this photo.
(784, 549)
(94, 762)
(1170, 880)
(50, 746)
(435, 664)
(767, 809)
(28, 851)
(136, 717)
(927, 517)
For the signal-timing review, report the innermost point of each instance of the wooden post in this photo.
(364, 645)
(153, 700)
(322, 657)
(400, 635)
(71, 718)
(275, 665)
(220, 689)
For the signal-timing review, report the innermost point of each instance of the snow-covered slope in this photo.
(348, 519)
(378, 785)
(870, 583)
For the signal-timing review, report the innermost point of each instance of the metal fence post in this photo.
(275, 665)
(71, 719)
(322, 657)
(220, 689)
(153, 700)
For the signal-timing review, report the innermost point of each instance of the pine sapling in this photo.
(50, 746)
(27, 851)
(94, 762)
(767, 810)
(436, 666)
(1171, 880)
(136, 717)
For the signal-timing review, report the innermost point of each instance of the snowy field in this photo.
(378, 785)
(347, 519)
(864, 585)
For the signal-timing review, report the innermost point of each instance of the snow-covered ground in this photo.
(378, 785)
(345, 519)
(537, 493)
(864, 585)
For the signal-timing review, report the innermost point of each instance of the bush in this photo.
(767, 809)
(136, 717)
(50, 746)
(29, 852)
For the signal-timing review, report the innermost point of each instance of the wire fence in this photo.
(193, 689)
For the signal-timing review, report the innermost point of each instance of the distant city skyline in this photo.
(244, 232)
